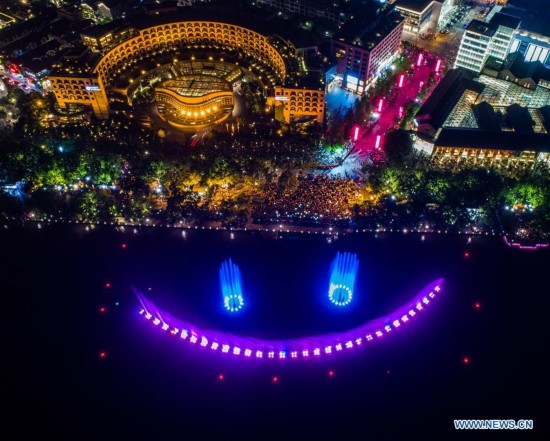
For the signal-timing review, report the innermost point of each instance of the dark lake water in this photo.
(152, 386)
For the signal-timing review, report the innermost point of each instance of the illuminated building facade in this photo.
(87, 90)
(482, 40)
(299, 104)
(92, 89)
(100, 11)
(364, 53)
(105, 37)
(194, 101)
(490, 149)
(482, 121)
(417, 13)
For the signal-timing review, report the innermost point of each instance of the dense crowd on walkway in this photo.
(317, 197)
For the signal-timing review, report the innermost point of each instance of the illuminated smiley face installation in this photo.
(343, 272)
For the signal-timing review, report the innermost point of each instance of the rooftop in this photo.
(486, 117)
(533, 17)
(480, 27)
(545, 113)
(7, 18)
(100, 30)
(527, 69)
(40, 58)
(446, 95)
(502, 93)
(502, 19)
(57, 27)
(519, 119)
(486, 139)
(413, 5)
(370, 27)
(24, 26)
(196, 85)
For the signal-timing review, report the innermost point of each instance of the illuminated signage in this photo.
(92, 88)
(281, 98)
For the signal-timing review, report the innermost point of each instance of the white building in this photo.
(482, 40)
(533, 47)
(417, 13)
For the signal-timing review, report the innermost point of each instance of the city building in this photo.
(109, 74)
(484, 40)
(485, 121)
(463, 147)
(29, 58)
(417, 13)
(103, 37)
(299, 104)
(194, 101)
(527, 74)
(102, 11)
(532, 46)
(3, 90)
(458, 84)
(332, 10)
(25, 28)
(365, 47)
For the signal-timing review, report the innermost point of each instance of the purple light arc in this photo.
(299, 348)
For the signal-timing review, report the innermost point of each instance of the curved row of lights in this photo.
(300, 348)
(340, 294)
(233, 302)
(214, 108)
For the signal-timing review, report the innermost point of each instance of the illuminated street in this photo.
(391, 107)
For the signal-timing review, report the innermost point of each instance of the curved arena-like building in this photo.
(94, 84)
(109, 74)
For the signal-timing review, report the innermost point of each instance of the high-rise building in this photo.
(363, 50)
(482, 40)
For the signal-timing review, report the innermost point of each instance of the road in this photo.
(445, 45)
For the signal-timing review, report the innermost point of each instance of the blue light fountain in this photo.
(231, 285)
(342, 278)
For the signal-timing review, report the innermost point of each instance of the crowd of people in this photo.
(317, 197)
